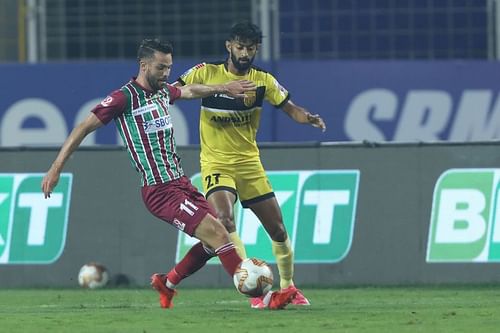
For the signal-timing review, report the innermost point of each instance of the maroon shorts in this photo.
(177, 202)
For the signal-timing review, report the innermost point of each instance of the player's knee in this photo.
(278, 233)
(219, 235)
(227, 221)
(212, 232)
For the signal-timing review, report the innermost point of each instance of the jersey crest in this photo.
(250, 97)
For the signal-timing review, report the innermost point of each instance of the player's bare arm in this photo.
(90, 124)
(234, 89)
(302, 116)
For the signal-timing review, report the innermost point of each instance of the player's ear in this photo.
(143, 66)
(228, 46)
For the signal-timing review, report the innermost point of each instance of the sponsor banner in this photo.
(359, 100)
(32, 228)
(465, 218)
(318, 208)
(44, 116)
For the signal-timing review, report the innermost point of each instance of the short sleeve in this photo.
(175, 93)
(193, 75)
(110, 107)
(276, 94)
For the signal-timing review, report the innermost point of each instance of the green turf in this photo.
(446, 309)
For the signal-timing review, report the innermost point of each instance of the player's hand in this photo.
(238, 88)
(49, 182)
(316, 121)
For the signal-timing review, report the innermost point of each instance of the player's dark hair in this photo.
(149, 46)
(245, 31)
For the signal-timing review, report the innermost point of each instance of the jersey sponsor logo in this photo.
(107, 101)
(236, 120)
(178, 224)
(158, 124)
(318, 208)
(223, 96)
(144, 109)
(465, 217)
(32, 228)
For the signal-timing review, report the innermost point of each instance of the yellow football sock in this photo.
(240, 248)
(284, 259)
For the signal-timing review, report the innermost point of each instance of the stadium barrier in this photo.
(357, 213)
(396, 101)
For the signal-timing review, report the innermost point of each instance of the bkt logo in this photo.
(318, 210)
(465, 220)
(32, 229)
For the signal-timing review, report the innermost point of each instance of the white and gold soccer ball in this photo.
(253, 277)
(93, 276)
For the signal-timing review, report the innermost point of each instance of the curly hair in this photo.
(245, 31)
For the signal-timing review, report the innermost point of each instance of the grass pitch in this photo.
(436, 309)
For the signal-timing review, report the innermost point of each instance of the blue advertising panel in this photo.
(40, 104)
(359, 100)
(395, 100)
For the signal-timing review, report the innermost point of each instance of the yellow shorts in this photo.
(247, 180)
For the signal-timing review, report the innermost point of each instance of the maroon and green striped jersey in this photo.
(145, 125)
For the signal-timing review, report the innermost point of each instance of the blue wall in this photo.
(359, 100)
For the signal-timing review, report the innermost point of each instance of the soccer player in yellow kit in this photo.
(230, 160)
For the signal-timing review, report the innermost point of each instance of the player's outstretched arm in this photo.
(90, 124)
(234, 89)
(302, 116)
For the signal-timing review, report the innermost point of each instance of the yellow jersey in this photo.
(228, 126)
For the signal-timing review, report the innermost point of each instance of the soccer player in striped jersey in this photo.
(230, 160)
(140, 110)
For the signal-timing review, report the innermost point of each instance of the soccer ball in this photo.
(253, 277)
(93, 275)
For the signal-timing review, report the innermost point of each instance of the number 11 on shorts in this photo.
(188, 207)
